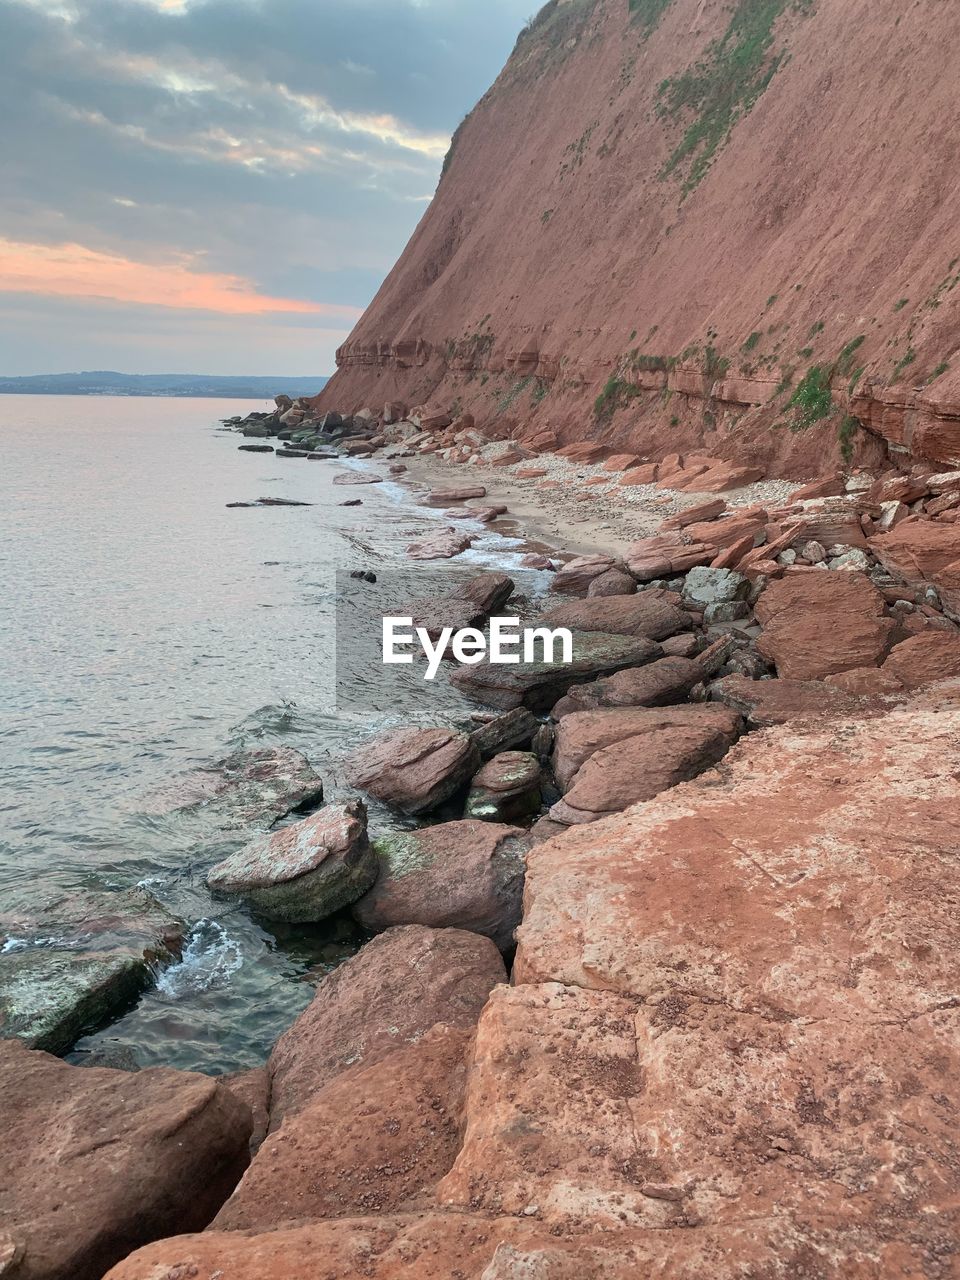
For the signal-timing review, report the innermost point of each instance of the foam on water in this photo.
(210, 959)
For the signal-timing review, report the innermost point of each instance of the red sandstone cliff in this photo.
(733, 221)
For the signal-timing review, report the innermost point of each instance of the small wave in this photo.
(210, 959)
(54, 942)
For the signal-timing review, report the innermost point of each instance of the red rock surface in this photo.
(651, 614)
(924, 659)
(414, 769)
(501, 275)
(819, 623)
(94, 1162)
(371, 1141)
(388, 995)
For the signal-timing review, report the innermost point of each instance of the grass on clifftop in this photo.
(722, 88)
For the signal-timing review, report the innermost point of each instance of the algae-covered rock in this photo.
(79, 964)
(305, 872)
(506, 789)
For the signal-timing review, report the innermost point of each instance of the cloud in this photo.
(72, 271)
(234, 153)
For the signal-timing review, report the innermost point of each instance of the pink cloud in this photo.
(73, 271)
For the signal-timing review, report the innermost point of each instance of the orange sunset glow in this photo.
(74, 271)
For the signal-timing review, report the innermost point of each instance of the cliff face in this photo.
(722, 223)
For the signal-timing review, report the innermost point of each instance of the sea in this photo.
(147, 629)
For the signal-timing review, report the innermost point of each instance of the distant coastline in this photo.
(109, 383)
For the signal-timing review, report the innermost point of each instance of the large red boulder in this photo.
(652, 614)
(768, 702)
(372, 1140)
(819, 623)
(461, 875)
(583, 734)
(414, 770)
(95, 1162)
(639, 768)
(387, 995)
(924, 659)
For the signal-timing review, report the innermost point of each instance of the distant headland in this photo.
(107, 383)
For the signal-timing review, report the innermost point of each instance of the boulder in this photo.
(386, 996)
(702, 511)
(763, 703)
(615, 582)
(73, 967)
(468, 605)
(249, 787)
(865, 682)
(443, 497)
(505, 789)
(443, 545)
(94, 1163)
(375, 1139)
(639, 768)
(586, 452)
(622, 462)
(816, 624)
(706, 586)
(460, 875)
(658, 684)
(664, 556)
(515, 729)
(924, 659)
(920, 551)
(635, 477)
(722, 477)
(414, 770)
(582, 735)
(653, 615)
(538, 685)
(306, 871)
(574, 578)
(356, 477)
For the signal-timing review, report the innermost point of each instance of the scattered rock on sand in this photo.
(414, 770)
(357, 477)
(71, 968)
(506, 788)
(462, 875)
(444, 497)
(306, 871)
(388, 995)
(95, 1162)
(443, 545)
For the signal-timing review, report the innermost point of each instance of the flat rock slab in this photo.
(817, 624)
(438, 1246)
(246, 788)
(374, 1140)
(71, 969)
(356, 477)
(764, 703)
(581, 735)
(443, 545)
(651, 614)
(639, 768)
(461, 875)
(814, 875)
(388, 995)
(596, 1108)
(95, 1162)
(470, 604)
(658, 684)
(415, 770)
(538, 685)
(514, 729)
(305, 872)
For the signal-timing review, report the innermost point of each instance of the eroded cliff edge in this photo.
(722, 223)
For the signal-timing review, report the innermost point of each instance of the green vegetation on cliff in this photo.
(723, 87)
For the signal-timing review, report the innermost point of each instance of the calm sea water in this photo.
(147, 629)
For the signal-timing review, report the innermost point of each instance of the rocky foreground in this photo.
(666, 983)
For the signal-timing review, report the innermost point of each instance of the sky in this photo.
(220, 186)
